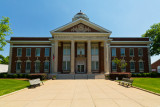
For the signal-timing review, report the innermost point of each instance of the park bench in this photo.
(126, 82)
(35, 82)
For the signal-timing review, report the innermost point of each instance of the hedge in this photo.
(28, 76)
(152, 74)
(120, 75)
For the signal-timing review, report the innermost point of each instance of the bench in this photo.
(35, 82)
(126, 82)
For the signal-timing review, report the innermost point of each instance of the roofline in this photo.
(155, 61)
(128, 37)
(83, 20)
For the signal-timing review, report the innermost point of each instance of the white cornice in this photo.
(28, 46)
(27, 41)
(131, 46)
(131, 42)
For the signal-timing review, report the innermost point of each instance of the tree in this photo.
(5, 30)
(154, 35)
(121, 64)
(4, 60)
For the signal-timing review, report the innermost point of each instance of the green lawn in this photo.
(11, 85)
(151, 84)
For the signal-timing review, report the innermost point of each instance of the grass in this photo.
(11, 85)
(151, 84)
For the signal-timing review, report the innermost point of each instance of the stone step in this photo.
(77, 76)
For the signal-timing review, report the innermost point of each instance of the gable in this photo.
(81, 25)
(80, 28)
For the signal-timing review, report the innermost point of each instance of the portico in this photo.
(80, 53)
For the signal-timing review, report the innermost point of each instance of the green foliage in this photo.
(5, 30)
(153, 74)
(120, 63)
(154, 35)
(11, 85)
(4, 60)
(151, 84)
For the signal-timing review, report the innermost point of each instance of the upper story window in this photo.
(131, 51)
(66, 49)
(19, 51)
(94, 49)
(122, 51)
(37, 51)
(113, 51)
(140, 52)
(28, 51)
(80, 49)
(47, 51)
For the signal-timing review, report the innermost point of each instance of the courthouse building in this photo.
(78, 47)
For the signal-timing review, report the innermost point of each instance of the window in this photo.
(95, 65)
(113, 51)
(28, 51)
(37, 66)
(19, 51)
(94, 49)
(140, 51)
(122, 51)
(66, 65)
(80, 50)
(47, 51)
(28, 65)
(132, 66)
(37, 51)
(131, 51)
(66, 49)
(114, 66)
(141, 66)
(46, 66)
(18, 66)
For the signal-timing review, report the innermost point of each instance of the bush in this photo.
(153, 74)
(35, 76)
(15, 75)
(120, 75)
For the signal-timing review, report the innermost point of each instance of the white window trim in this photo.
(48, 52)
(114, 70)
(28, 70)
(115, 52)
(36, 51)
(132, 70)
(37, 71)
(142, 52)
(95, 66)
(30, 52)
(66, 66)
(124, 52)
(46, 70)
(17, 52)
(130, 52)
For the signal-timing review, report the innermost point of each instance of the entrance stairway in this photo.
(78, 76)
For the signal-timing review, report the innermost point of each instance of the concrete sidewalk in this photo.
(81, 93)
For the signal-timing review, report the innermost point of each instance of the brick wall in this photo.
(136, 58)
(156, 64)
(32, 58)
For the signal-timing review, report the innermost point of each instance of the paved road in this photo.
(81, 93)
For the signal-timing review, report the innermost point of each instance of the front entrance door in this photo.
(81, 68)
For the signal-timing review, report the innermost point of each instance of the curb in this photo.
(12, 93)
(145, 90)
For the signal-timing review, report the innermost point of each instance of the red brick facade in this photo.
(156, 64)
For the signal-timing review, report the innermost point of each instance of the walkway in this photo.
(81, 93)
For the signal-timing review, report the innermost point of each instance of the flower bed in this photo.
(119, 75)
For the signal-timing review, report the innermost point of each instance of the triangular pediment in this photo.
(81, 25)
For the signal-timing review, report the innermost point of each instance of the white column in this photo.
(72, 57)
(52, 62)
(105, 57)
(10, 59)
(108, 58)
(89, 57)
(55, 57)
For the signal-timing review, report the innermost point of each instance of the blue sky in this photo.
(35, 18)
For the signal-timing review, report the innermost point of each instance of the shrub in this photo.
(34, 76)
(120, 75)
(15, 75)
(4, 76)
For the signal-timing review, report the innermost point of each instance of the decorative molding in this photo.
(28, 46)
(81, 28)
(131, 46)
